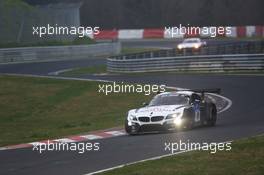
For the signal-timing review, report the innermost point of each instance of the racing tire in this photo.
(189, 124)
(131, 130)
(212, 116)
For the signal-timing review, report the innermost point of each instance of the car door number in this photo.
(196, 112)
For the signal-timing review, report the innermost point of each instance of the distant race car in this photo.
(191, 43)
(173, 110)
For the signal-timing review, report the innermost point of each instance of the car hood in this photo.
(157, 110)
(189, 44)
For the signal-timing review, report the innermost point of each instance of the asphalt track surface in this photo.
(245, 118)
(43, 68)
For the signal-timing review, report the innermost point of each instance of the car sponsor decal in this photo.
(196, 107)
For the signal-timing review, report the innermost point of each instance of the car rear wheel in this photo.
(212, 116)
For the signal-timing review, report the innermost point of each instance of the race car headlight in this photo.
(173, 116)
(196, 46)
(177, 121)
(179, 46)
(132, 117)
(177, 118)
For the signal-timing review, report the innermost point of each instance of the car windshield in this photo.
(169, 100)
(191, 41)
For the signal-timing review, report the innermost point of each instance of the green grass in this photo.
(129, 50)
(86, 70)
(246, 157)
(33, 109)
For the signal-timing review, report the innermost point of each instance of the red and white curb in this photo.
(70, 139)
(235, 32)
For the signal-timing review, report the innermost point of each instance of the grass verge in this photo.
(246, 157)
(86, 70)
(130, 50)
(32, 109)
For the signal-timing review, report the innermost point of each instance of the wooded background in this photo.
(118, 14)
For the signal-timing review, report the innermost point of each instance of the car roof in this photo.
(187, 93)
(191, 39)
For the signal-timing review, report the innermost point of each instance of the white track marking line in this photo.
(229, 102)
(132, 163)
(60, 71)
(116, 133)
(144, 160)
(35, 143)
(3, 148)
(175, 88)
(91, 137)
(58, 78)
(64, 140)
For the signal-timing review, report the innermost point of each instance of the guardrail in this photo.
(212, 63)
(57, 52)
(219, 58)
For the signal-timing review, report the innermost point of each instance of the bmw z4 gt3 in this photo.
(172, 110)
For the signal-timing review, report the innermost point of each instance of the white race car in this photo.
(173, 110)
(191, 43)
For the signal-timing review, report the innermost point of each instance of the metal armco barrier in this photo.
(57, 52)
(212, 63)
(237, 57)
(243, 47)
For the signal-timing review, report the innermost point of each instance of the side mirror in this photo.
(145, 104)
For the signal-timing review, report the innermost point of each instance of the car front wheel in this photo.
(131, 130)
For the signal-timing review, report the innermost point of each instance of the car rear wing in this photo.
(202, 91)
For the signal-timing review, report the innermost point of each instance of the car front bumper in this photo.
(164, 124)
